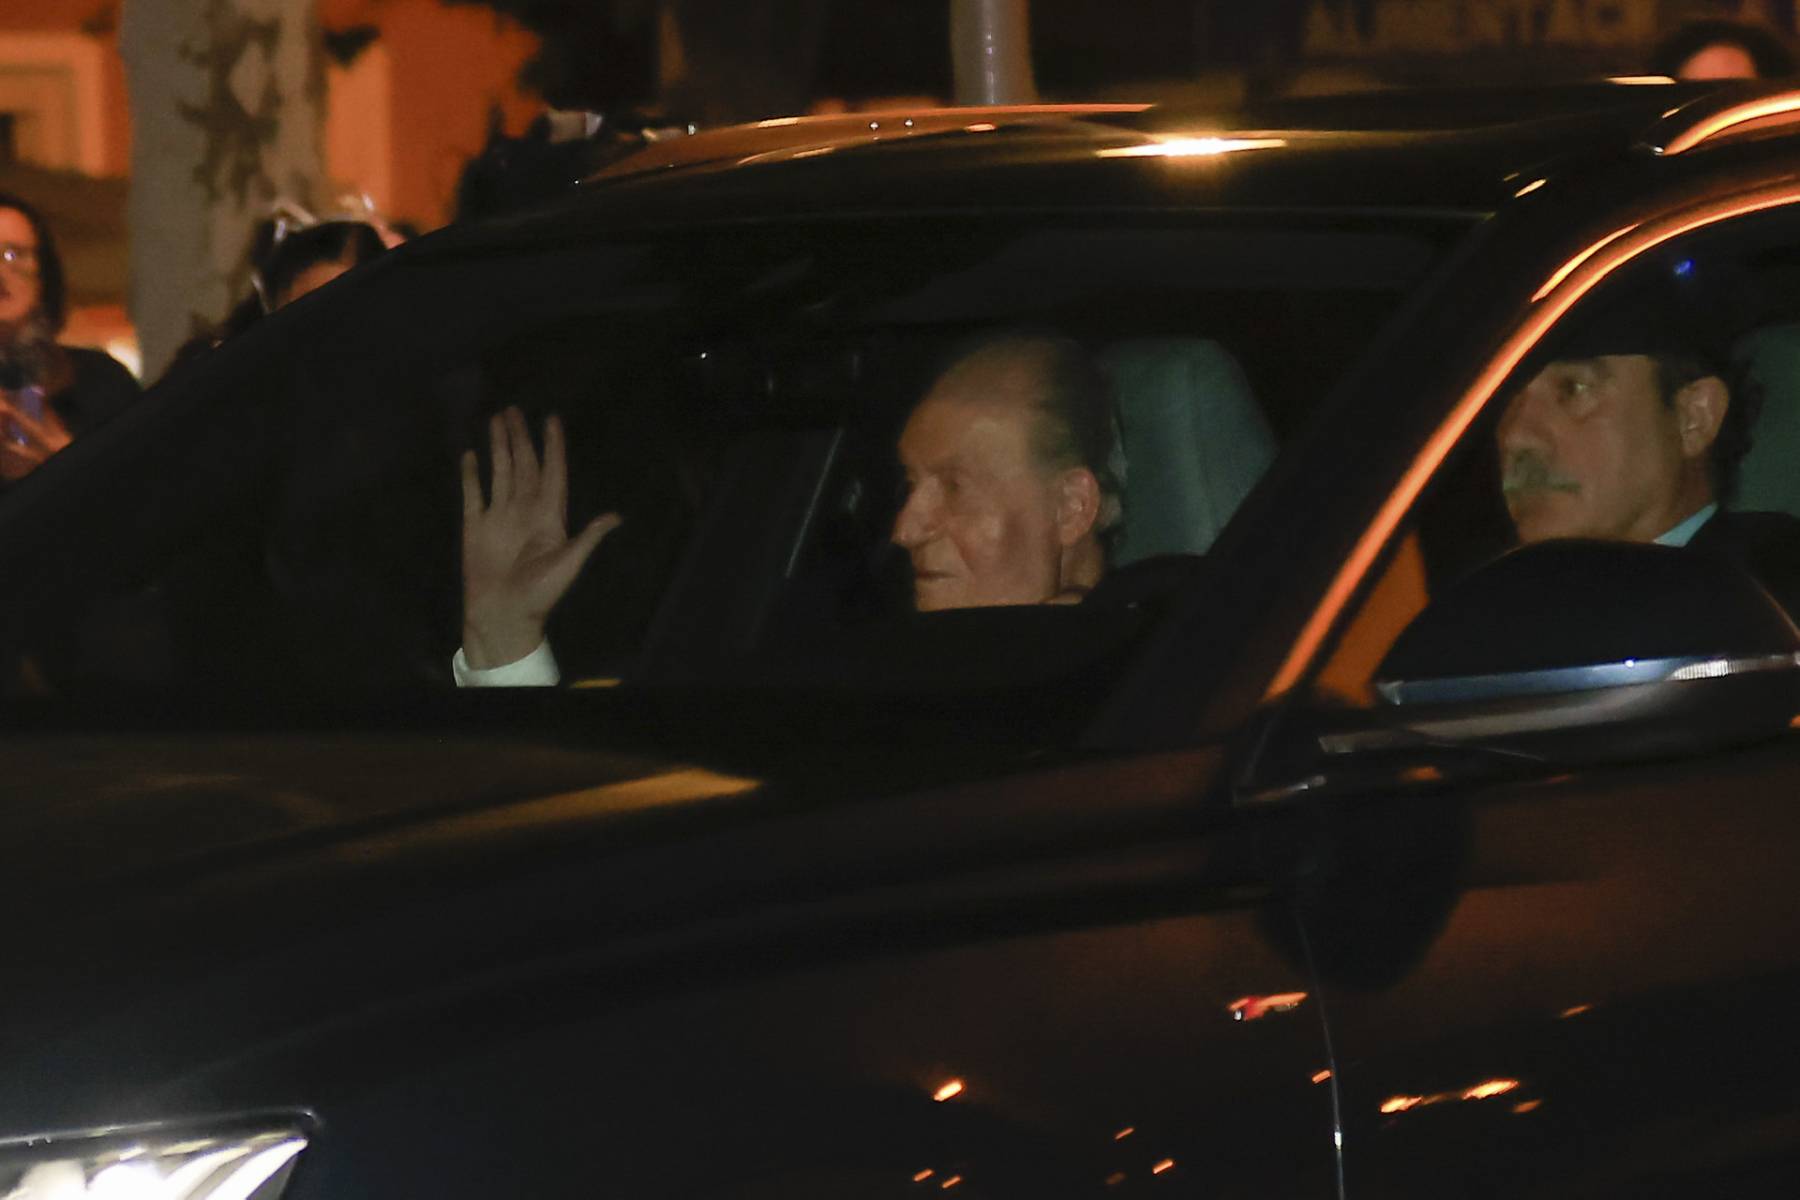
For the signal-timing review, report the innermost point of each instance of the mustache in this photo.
(1527, 471)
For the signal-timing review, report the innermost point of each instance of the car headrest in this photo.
(1194, 442)
(1769, 480)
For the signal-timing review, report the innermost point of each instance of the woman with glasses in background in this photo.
(49, 393)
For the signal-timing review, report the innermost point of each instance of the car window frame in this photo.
(1597, 251)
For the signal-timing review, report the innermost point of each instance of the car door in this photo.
(615, 937)
(972, 989)
(1561, 978)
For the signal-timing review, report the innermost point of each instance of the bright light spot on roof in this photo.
(922, 1176)
(1640, 80)
(948, 1091)
(1167, 1164)
(1124, 1133)
(774, 122)
(1529, 188)
(121, 1181)
(1321, 1076)
(1200, 147)
(951, 1182)
(981, 127)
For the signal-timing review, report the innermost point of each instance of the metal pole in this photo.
(990, 50)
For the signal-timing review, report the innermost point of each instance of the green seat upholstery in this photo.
(1194, 442)
(1770, 477)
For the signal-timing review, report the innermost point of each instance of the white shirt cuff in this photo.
(537, 669)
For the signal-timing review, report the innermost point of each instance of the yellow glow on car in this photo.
(948, 1091)
(1490, 1088)
(1487, 1089)
(1255, 1008)
(1570, 267)
(1785, 105)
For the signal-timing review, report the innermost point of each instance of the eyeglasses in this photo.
(23, 259)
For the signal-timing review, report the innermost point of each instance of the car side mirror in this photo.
(1576, 651)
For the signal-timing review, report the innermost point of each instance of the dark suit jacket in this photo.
(91, 389)
(1766, 544)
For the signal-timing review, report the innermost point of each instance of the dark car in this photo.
(1336, 850)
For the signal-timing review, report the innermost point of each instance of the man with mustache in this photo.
(1634, 434)
(1012, 482)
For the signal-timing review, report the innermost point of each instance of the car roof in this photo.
(1452, 152)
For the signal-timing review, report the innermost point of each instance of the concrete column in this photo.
(990, 51)
(227, 109)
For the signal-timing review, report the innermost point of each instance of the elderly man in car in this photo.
(1634, 433)
(1011, 475)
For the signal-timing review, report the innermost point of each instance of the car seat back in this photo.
(1194, 442)
(1769, 480)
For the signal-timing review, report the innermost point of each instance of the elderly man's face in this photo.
(981, 514)
(1589, 448)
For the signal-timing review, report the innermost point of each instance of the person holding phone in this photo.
(50, 394)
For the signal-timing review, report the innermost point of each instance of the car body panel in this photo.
(738, 943)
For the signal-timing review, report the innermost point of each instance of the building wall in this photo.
(405, 116)
(92, 22)
(1450, 27)
(402, 118)
(446, 69)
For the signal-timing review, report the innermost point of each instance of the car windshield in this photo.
(742, 396)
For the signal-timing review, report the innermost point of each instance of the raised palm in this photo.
(518, 557)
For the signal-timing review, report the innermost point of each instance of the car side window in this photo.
(741, 399)
(1660, 410)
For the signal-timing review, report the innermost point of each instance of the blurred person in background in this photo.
(294, 253)
(557, 151)
(1720, 49)
(49, 393)
(291, 255)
